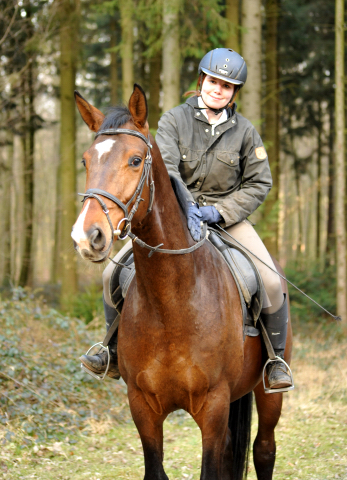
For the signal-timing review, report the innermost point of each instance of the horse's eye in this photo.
(83, 162)
(135, 161)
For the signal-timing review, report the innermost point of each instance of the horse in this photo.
(180, 336)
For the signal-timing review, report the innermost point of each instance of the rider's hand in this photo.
(210, 215)
(194, 218)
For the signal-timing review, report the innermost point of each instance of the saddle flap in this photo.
(244, 271)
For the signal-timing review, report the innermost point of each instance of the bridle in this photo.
(146, 176)
(146, 173)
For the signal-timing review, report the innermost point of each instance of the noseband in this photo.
(146, 172)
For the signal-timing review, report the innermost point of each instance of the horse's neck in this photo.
(165, 224)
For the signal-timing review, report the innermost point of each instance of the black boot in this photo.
(98, 363)
(276, 325)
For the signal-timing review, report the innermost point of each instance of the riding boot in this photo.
(98, 363)
(276, 325)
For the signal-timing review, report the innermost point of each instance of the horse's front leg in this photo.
(150, 427)
(213, 422)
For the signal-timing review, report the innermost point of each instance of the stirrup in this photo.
(278, 390)
(93, 374)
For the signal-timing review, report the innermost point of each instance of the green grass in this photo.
(58, 423)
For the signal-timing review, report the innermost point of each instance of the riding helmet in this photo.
(225, 64)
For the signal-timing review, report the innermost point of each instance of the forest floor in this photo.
(58, 423)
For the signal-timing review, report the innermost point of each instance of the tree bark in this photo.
(6, 160)
(272, 124)
(26, 272)
(251, 51)
(154, 91)
(330, 250)
(126, 10)
(340, 227)
(171, 54)
(232, 15)
(114, 64)
(67, 173)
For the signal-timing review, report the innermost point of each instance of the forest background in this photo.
(294, 96)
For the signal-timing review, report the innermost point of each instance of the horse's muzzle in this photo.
(92, 246)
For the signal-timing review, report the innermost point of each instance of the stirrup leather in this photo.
(278, 390)
(93, 374)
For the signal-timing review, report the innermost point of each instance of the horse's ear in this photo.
(91, 115)
(138, 106)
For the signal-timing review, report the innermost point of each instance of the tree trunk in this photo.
(330, 251)
(251, 51)
(6, 160)
(154, 91)
(232, 15)
(171, 54)
(272, 124)
(114, 64)
(126, 11)
(67, 174)
(25, 277)
(340, 227)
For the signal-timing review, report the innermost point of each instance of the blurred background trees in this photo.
(102, 47)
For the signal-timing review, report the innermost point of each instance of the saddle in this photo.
(242, 268)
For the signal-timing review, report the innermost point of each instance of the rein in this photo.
(146, 173)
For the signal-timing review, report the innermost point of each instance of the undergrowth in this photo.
(306, 316)
(44, 395)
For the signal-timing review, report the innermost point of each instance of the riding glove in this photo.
(210, 215)
(194, 217)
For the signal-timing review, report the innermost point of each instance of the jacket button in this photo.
(184, 156)
(232, 121)
(217, 133)
(198, 114)
(231, 161)
(220, 211)
(206, 130)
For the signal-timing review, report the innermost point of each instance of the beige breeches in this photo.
(245, 234)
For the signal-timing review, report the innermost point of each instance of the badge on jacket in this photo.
(260, 153)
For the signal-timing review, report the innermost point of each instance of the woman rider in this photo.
(219, 158)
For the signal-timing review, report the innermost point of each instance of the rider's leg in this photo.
(275, 308)
(98, 363)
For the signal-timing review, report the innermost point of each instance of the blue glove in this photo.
(210, 215)
(194, 218)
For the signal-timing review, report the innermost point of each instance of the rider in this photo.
(219, 159)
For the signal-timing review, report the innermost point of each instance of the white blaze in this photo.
(78, 234)
(104, 147)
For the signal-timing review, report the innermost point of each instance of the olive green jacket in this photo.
(228, 169)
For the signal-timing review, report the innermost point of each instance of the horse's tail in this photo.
(240, 419)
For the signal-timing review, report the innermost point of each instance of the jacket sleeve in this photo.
(255, 184)
(167, 139)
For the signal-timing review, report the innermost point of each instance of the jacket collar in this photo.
(193, 102)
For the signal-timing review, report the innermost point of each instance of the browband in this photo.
(116, 131)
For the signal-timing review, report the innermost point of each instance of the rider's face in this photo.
(216, 93)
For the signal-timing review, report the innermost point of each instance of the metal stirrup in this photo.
(93, 374)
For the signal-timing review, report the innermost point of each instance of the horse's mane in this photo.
(116, 117)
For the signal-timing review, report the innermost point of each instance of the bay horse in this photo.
(180, 337)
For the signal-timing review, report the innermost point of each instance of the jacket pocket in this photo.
(226, 170)
(189, 162)
(232, 159)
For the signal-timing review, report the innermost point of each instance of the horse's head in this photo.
(118, 166)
